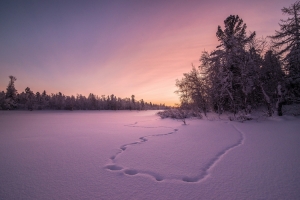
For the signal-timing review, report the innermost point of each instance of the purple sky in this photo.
(125, 47)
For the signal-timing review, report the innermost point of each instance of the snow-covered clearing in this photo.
(137, 155)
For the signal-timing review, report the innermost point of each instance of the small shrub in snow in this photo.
(241, 117)
(180, 114)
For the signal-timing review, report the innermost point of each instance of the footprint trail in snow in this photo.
(213, 162)
(114, 167)
(202, 174)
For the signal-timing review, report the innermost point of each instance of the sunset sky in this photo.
(115, 47)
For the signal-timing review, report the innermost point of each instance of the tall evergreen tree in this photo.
(11, 94)
(30, 99)
(2, 100)
(271, 72)
(287, 40)
(270, 76)
(231, 61)
(289, 35)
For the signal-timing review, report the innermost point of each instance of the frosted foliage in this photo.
(279, 90)
(287, 40)
(136, 155)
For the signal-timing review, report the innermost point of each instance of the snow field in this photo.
(136, 155)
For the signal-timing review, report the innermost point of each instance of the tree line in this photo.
(28, 100)
(245, 72)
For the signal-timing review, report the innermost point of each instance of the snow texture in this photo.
(137, 155)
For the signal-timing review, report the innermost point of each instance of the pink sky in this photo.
(117, 47)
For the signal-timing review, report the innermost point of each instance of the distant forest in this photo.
(245, 72)
(28, 100)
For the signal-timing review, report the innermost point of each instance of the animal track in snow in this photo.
(113, 167)
(204, 171)
(216, 159)
(142, 139)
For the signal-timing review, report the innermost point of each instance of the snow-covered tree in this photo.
(81, 102)
(289, 35)
(38, 99)
(2, 101)
(30, 99)
(11, 94)
(287, 40)
(45, 100)
(192, 90)
(70, 103)
(232, 64)
(293, 76)
(132, 105)
(271, 71)
(57, 101)
(93, 103)
(271, 74)
(142, 104)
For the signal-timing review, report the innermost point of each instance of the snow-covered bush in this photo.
(241, 117)
(180, 114)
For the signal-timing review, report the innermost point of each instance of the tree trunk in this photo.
(268, 102)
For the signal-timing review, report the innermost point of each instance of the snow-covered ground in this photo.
(136, 155)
